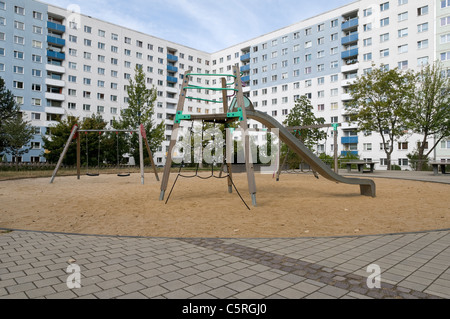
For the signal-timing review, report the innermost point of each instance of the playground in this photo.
(296, 206)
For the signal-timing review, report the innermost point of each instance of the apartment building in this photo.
(59, 62)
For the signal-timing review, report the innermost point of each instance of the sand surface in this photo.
(296, 206)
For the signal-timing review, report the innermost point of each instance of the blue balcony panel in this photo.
(245, 78)
(172, 58)
(345, 153)
(350, 39)
(349, 140)
(56, 55)
(172, 79)
(56, 26)
(172, 68)
(349, 53)
(55, 40)
(245, 68)
(245, 57)
(350, 24)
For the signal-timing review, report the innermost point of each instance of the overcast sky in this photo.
(208, 25)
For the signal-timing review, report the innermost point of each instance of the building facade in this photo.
(59, 62)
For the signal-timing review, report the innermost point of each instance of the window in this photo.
(423, 44)
(334, 64)
(308, 31)
(19, 10)
(334, 23)
(367, 27)
(422, 61)
(403, 33)
(18, 69)
(320, 54)
(384, 37)
(37, 15)
(445, 3)
(36, 102)
(403, 145)
(402, 2)
(37, 30)
(19, 55)
(36, 73)
(87, 29)
(402, 48)
(17, 85)
(73, 38)
(384, 6)
(368, 57)
(422, 11)
(367, 12)
(384, 22)
(445, 38)
(18, 40)
(308, 44)
(403, 16)
(320, 41)
(87, 42)
(403, 65)
(114, 37)
(37, 44)
(384, 53)
(423, 27)
(2, 5)
(445, 56)
(19, 25)
(367, 42)
(367, 146)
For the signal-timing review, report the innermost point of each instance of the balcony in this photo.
(348, 82)
(172, 79)
(246, 78)
(55, 68)
(352, 38)
(350, 24)
(346, 97)
(349, 140)
(55, 96)
(345, 153)
(172, 68)
(54, 112)
(55, 82)
(56, 27)
(245, 68)
(172, 58)
(349, 67)
(349, 54)
(245, 57)
(56, 55)
(56, 41)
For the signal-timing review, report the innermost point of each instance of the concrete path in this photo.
(413, 265)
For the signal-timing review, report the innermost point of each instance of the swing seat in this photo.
(123, 174)
(92, 174)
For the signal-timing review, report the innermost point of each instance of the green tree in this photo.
(429, 114)
(17, 135)
(140, 110)
(55, 141)
(301, 116)
(380, 102)
(8, 110)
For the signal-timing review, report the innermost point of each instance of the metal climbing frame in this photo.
(238, 113)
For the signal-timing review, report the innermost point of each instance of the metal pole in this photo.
(72, 134)
(141, 157)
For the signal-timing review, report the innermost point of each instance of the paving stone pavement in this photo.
(34, 265)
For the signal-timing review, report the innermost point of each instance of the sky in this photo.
(207, 25)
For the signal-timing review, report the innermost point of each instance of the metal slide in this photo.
(367, 186)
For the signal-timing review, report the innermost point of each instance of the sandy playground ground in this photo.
(296, 206)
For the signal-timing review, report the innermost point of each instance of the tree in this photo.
(429, 114)
(57, 139)
(302, 115)
(8, 110)
(380, 102)
(17, 134)
(140, 110)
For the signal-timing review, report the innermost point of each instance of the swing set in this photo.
(75, 134)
